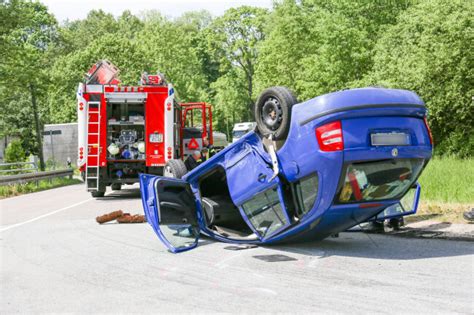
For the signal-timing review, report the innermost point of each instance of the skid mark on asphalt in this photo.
(44, 215)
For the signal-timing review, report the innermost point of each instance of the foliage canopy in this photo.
(311, 46)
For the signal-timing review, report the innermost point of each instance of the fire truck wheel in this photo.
(97, 194)
(174, 169)
(273, 111)
(116, 186)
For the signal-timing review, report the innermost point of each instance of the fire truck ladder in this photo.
(93, 148)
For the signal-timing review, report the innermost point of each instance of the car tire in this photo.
(97, 194)
(174, 169)
(273, 111)
(116, 186)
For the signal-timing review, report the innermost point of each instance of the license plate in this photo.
(390, 139)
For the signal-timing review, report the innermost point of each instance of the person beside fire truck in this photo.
(208, 150)
(193, 160)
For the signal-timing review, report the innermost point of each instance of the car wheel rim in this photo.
(272, 113)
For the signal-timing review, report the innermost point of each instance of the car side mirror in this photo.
(407, 205)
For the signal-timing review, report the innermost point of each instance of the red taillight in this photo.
(429, 131)
(330, 137)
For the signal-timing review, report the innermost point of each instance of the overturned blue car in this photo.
(309, 170)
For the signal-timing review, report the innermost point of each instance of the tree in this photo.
(28, 32)
(170, 47)
(316, 47)
(230, 104)
(234, 39)
(429, 51)
(77, 35)
(286, 43)
(198, 24)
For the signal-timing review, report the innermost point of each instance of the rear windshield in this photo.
(389, 179)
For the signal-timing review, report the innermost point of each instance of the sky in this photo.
(78, 9)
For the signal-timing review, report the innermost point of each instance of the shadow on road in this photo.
(379, 247)
(132, 193)
(354, 244)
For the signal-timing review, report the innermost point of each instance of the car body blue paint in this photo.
(248, 166)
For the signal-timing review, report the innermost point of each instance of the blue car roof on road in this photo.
(351, 99)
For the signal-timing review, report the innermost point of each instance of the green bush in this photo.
(15, 152)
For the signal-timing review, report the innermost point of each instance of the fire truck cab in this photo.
(127, 130)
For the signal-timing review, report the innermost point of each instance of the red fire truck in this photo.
(127, 130)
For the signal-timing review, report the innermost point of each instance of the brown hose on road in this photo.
(121, 217)
(109, 216)
(127, 218)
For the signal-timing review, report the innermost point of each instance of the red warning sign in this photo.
(193, 144)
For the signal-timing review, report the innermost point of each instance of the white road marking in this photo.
(44, 215)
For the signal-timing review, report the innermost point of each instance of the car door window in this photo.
(306, 191)
(177, 213)
(171, 209)
(265, 213)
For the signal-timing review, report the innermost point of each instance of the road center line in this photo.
(44, 215)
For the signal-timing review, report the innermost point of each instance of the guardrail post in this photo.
(35, 165)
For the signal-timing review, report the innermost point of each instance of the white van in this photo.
(241, 129)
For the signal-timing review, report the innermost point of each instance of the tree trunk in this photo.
(227, 128)
(233, 118)
(250, 91)
(37, 126)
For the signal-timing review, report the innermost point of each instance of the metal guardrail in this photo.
(34, 177)
(33, 167)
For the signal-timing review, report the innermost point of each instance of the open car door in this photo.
(256, 190)
(171, 209)
(406, 206)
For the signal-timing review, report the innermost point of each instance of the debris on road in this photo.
(109, 217)
(121, 217)
(128, 218)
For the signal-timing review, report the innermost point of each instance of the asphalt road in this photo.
(55, 258)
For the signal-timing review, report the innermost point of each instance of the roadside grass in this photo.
(19, 189)
(447, 190)
(448, 180)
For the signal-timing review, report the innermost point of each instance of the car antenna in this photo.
(364, 230)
